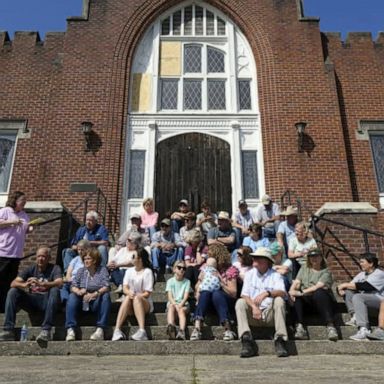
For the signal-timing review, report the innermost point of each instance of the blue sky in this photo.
(50, 15)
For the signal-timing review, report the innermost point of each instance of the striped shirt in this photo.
(84, 279)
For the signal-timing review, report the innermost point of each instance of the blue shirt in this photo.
(96, 234)
(254, 244)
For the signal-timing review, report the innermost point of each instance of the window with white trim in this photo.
(7, 151)
(203, 84)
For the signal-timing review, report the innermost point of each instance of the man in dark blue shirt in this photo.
(92, 231)
(35, 289)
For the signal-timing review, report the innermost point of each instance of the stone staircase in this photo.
(156, 324)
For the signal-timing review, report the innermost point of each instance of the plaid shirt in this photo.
(83, 279)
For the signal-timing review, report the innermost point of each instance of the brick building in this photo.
(177, 89)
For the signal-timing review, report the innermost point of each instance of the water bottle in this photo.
(85, 306)
(24, 333)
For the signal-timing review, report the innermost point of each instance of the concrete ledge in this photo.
(108, 348)
(44, 206)
(346, 207)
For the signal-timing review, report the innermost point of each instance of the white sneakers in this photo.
(229, 335)
(97, 335)
(352, 321)
(118, 335)
(361, 334)
(140, 335)
(71, 336)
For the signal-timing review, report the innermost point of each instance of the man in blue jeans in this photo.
(92, 231)
(37, 288)
(166, 247)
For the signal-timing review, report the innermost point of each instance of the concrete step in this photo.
(215, 347)
(159, 317)
(209, 332)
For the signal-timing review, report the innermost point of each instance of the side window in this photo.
(377, 145)
(7, 150)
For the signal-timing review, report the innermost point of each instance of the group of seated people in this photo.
(251, 268)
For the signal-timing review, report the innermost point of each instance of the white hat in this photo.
(291, 210)
(223, 216)
(263, 252)
(266, 199)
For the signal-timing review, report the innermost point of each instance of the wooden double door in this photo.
(195, 167)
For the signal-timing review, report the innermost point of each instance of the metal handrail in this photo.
(100, 199)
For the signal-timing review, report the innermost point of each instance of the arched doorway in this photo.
(193, 166)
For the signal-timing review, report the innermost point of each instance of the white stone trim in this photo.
(346, 207)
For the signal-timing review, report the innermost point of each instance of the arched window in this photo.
(198, 62)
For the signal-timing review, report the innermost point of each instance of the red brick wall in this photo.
(84, 75)
(344, 245)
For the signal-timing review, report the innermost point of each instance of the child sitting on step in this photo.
(178, 288)
(208, 278)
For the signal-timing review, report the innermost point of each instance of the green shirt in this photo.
(178, 288)
(309, 277)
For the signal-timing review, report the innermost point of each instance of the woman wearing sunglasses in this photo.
(137, 287)
(178, 288)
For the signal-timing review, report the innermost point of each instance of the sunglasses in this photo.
(181, 268)
(164, 225)
(240, 254)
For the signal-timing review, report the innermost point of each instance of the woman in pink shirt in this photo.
(13, 228)
(149, 217)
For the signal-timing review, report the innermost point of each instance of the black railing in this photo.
(96, 201)
(331, 243)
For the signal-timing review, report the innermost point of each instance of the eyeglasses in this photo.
(181, 268)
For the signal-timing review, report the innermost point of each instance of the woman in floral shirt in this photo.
(223, 300)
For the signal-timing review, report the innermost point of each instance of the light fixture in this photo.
(300, 128)
(86, 128)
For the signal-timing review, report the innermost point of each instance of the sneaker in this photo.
(171, 332)
(180, 335)
(7, 335)
(97, 335)
(300, 333)
(332, 334)
(361, 334)
(120, 299)
(140, 335)
(196, 335)
(352, 321)
(377, 334)
(118, 335)
(229, 335)
(248, 346)
(71, 336)
(280, 348)
(119, 289)
(43, 337)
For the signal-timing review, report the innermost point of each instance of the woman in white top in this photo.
(123, 260)
(299, 246)
(137, 287)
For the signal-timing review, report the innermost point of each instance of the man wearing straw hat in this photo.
(262, 304)
(286, 228)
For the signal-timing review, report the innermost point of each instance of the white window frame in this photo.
(19, 129)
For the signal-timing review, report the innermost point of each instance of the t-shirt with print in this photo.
(51, 273)
(178, 288)
(210, 282)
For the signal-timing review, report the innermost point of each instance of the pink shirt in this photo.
(149, 219)
(12, 238)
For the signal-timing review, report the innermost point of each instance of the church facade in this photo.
(219, 99)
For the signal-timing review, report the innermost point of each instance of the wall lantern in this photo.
(86, 128)
(300, 128)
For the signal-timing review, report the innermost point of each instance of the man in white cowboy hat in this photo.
(262, 304)
(268, 215)
(286, 228)
(223, 233)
